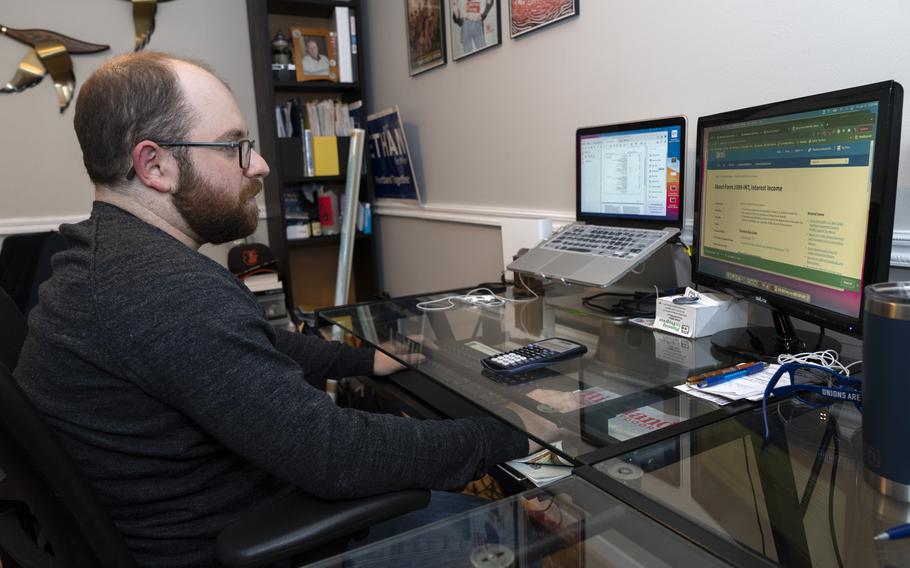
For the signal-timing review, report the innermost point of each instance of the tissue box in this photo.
(712, 313)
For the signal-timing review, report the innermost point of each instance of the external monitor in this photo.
(631, 174)
(794, 210)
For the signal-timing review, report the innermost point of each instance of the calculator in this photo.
(533, 356)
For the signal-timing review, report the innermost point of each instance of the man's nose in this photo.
(258, 166)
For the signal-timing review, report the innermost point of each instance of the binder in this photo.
(325, 156)
(343, 37)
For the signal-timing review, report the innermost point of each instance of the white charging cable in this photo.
(827, 358)
(483, 297)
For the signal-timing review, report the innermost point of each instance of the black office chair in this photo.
(13, 329)
(42, 490)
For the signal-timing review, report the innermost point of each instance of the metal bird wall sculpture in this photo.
(49, 53)
(144, 20)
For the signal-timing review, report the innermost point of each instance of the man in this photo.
(154, 364)
(314, 63)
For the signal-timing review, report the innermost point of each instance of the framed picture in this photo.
(473, 26)
(529, 15)
(426, 34)
(314, 54)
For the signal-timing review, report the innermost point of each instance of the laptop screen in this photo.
(631, 172)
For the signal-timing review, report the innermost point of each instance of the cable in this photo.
(761, 530)
(828, 358)
(483, 297)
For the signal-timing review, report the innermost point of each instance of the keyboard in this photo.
(604, 241)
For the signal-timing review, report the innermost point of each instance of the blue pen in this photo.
(750, 370)
(894, 533)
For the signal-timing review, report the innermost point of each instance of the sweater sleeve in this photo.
(207, 352)
(321, 359)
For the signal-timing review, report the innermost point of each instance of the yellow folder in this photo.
(325, 156)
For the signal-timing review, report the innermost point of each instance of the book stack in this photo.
(267, 288)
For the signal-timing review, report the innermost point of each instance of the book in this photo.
(343, 39)
(309, 167)
(263, 282)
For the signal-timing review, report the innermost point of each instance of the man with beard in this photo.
(155, 365)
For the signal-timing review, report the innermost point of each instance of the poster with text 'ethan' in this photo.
(393, 174)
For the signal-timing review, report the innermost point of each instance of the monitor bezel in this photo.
(880, 224)
(619, 221)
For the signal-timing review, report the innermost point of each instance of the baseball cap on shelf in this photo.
(249, 259)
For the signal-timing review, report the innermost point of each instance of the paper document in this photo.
(542, 467)
(749, 387)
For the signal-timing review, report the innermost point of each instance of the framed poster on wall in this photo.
(426, 34)
(474, 25)
(529, 15)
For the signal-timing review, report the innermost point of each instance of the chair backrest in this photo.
(12, 331)
(25, 262)
(78, 529)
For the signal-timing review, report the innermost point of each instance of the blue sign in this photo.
(393, 175)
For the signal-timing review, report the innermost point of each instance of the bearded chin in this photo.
(215, 216)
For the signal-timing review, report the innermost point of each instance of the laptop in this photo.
(628, 203)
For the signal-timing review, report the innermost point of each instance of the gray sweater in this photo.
(183, 406)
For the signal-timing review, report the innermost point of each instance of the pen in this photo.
(702, 376)
(751, 369)
(894, 533)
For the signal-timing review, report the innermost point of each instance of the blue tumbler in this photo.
(886, 388)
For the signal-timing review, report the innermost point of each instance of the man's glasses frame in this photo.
(245, 150)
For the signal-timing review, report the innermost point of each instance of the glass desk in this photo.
(801, 501)
(568, 523)
(619, 395)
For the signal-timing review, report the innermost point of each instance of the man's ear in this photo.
(154, 167)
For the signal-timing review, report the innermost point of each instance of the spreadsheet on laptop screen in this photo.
(633, 174)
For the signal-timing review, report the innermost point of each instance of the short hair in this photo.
(130, 98)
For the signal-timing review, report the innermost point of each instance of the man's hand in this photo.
(541, 427)
(384, 365)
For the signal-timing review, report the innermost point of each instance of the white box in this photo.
(712, 313)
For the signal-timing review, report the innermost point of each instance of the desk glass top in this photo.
(802, 501)
(568, 523)
(618, 392)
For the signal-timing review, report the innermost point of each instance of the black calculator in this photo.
(533, 356)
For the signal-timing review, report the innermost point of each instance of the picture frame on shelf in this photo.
(526, 16)
(426, 36)
(474, 25)
(314, 54)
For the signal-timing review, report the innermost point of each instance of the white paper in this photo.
(750, 387)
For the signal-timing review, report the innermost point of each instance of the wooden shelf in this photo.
(316, 86)
(324, 240)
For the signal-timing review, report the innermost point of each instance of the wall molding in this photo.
(496, 216)
(449, 213)
(20, 225)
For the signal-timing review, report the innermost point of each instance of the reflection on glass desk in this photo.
(800, 501)
(569, 523)
(619, 391)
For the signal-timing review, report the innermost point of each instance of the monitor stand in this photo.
(766, 343)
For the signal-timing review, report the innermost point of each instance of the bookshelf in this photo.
(308, 266)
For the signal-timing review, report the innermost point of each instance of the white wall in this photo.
(497, 129)
(43, 179)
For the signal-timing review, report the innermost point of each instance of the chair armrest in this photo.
(291, 524)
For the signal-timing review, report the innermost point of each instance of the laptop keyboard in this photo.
(614, 242)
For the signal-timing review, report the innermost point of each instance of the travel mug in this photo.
(886, 388)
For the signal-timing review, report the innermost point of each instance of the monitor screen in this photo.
(631, 172)
(790, 199)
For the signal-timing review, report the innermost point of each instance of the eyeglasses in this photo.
(245, 148)
(838, 387)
